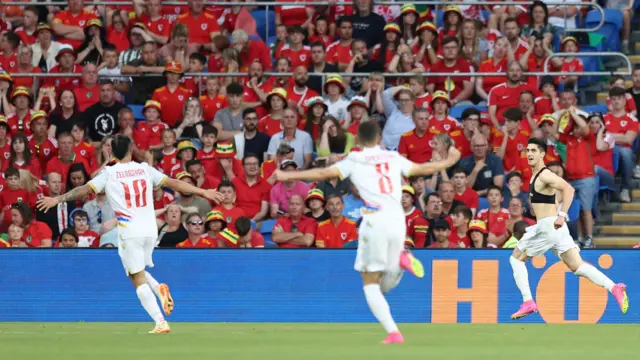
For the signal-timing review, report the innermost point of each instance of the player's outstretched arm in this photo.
(47, 203)
(183, 187)
(430, 168)
(308, 175)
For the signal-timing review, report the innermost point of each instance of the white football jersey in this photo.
(377, 174)
(129, 189)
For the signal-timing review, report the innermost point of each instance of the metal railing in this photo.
(268, 4)
(590, 54)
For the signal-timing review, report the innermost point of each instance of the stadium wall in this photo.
(306, 286)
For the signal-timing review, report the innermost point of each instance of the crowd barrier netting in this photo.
(307, 286)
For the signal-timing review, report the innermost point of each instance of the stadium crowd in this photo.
(232, 132)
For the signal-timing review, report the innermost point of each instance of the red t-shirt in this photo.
(9, 197)
(451, 245)
(86, 151)
(301, 57)
(573, 66)
(172, 103)
(203, 243)
(250, 96)
(580, 165)
(67, 18)
(621, 124)
(25, 81)
(461, 142)
(9, 63)
(249, 198)
(326, 40)
(604, 159)
(454, 238)
(56, 165)
(337, 53)
(543, 105)
(210, 106)
(417, 232)
(63, 83)
(291, 15)
(86, 97)
(28, 39)
(18, 125)
(35, 233)
(218, 173)
(334, 237)
(269, 126)
(455, 84)
(147, 135)
(160, 27)
(443, 126)
(305, 226)
(200, 27)
(496, 222)
(168, 161)
(88, 239)
(230, 215)
(515, 145)
(302, 99)
(489, 66)
(207, 159)
(503, 97)
(119, 39)
(415, 148)
(423, 101)
(630, 105)
(267, 168)
(45, 151)
(257, 51)
(469, 197)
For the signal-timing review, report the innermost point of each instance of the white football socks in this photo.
(596, 276)
(521, 276)
(149, 302)
(379, 307)
(153, 283)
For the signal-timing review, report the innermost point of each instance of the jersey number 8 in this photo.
(386, 187)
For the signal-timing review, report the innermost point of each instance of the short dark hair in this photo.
(511, 19)
(368, 132)
(429, 196)
(11, 171)
(24, 210)
(198, 57)
(322, 18)
(68, 231)
(512, 114)
(109, 47)
(344, 19)
(235, 89)
(248, 111)
(616, 91)
(207, 129)
(458, 170)
(192, 162)
(80, 213)
(468, 112)
(615, 78)
(226, 183)
(243, 225)
(249, 156)
(450, 39)
(295, 29)
(334, 195)
(120, 146)
(318, 44)
(76, 167)
(464, 211)
(519, 228)
(494, 187)
(540, 143)
(13, 39)
(511, 175)
(527, 92)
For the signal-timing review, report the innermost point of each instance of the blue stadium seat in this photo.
(137, 112)
(574, 210)
(351, 245)
(611, 28)
(483, 203)
(596, 108)
(253, 225)
(267, 227)
(262, 18)
(271, 40)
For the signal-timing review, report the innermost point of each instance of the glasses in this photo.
(434, 203)
(196, 222)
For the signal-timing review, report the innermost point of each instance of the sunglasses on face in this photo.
(196, 222)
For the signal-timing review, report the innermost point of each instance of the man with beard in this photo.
(100, 118)
(319, 65)
(250, 141)
(506, 95)
(256, 89)
(299, 97)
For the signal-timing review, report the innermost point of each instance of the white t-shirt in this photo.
(558, 21)
(129, 189)
(377, 174)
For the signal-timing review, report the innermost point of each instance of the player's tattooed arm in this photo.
(47, 203)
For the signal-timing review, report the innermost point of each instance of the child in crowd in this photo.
(12, 195)
(495, 217)
(321, 32)
(86, 237)
(81, 147)
(186, 152)
(207, 155)
(169, 152)
(212, 100)
(15, 236)
(227, 207)
(630, 106)
(148, 134)
(197, 61)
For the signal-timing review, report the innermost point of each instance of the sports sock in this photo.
(153, 283)
(596, 276)
(521, 275)
(379, 307)
(390, 279)
(149, 303)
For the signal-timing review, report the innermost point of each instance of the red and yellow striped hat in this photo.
(409, 190)
(186, 144)
(20, 91)
(152, 104)
(570, 38)
(453, 8)
(225, 150)
(547, 118)
(5, 76)
(335, 79)
(478, 225)
(230, 236)
(215, 216)
(38, 115)
(173, 67)
(427, 25)
(440, 95)
(358, 101)
(315, 194)
(94, 22)
(393, 27)
(408, 8)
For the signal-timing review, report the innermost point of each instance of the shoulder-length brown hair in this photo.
(340, 140)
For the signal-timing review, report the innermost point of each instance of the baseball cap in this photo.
(288, 163)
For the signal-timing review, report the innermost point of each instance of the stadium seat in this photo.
(267, 227)
(596, 108)
(262, 18)
(611, 28)
(137, 112)
(574, 210)
(351, 245)
(483, 203)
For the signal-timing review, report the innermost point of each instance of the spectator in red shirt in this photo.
(9, 50)
(446, 191)
(27, 32)
(252, 190)
(227, 206)
(226, 165)
(42, 147)
(507, 94)
(268, 167)
(548, 102)
(416, 145)
(195, 228)
(516, 213)
(571, 63)
(65, 158)
(463, 192)
(295, 230)
(516, 44)
(36, 233)
(276, 103)
(25, 66)
(88, 93)
(495, 216)
(478, 235)
(630, 106)
(433, 212)
(20, 119)
(512, 140)
(214, 224)
(251, 50)
(68, 239)
(416, 224)
(5, 84)
(21, 158)
(291, 15)
(247, 237)
(496, 64)
(624, 128)
(322, 31)
(15, 234)
(339, 52)
(338, 230)
(295, 50)
(156, 25)
(601, 147)
(202, 25)
(441, 233)
(440, 121)
(299, 95)
(80, 224)
(470, 125)
(459, 88)
(11, 194)
(173, 95)
(526, 106)
(186, 151)
(461, 216)
(452, 19)
(65, 58)
(69, 24)
(212, 100)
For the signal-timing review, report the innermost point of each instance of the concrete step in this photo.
(635, 194)
(620, 230)
(621, 70)
(615, 241)
(634, 206)
(635, 59)
(626, 218)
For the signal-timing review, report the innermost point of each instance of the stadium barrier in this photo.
(460, 286)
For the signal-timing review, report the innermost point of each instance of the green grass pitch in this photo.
(211, 341)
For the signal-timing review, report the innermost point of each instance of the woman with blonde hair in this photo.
(178, 48)
(441, 144)
(191, 125)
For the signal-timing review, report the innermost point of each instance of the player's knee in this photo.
(369, 278)
(519, 255)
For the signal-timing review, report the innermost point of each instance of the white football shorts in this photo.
(380, 242)
(543, 236)
(136, 254)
